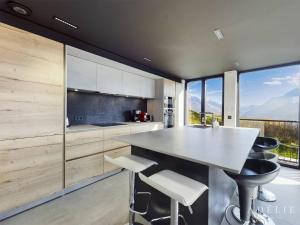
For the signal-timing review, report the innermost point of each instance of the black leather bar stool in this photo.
(254, 173)
(262, 150)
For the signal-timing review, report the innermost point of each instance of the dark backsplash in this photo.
(87, 108)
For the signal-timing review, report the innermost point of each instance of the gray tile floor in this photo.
(106, 203)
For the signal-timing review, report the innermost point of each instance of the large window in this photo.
(269, 100)
(214, 98)
(194, 92)
(204, 96)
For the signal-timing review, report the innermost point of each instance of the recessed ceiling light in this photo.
(219, 34)
(75, 89)
(147, 59)
(19, 8)
(65, 22)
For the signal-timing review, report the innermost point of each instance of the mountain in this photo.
(195, 103)
(211, 106)
(285, 107)
(215, 107)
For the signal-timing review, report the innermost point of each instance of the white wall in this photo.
(180, 96)
(230, 98)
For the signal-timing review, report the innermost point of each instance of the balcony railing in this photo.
(287, 132)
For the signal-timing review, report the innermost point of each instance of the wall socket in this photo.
(78, 118)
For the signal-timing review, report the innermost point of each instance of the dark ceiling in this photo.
(178, 35)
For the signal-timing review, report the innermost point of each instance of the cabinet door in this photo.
(80, 169)
(109, 80)
(169, 88)
(132, 84)
(81, 74)
(148, 88)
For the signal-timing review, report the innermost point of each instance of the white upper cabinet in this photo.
(132, 84)
(148, 88)
(169, 88)
(82, 74)
(109, 80)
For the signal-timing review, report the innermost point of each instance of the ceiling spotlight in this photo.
(147, 59)
(65, 22)
(219, 34)
(76, 90)
(19, 8)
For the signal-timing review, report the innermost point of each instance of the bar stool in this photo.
(134, 164)
(254, 173)
(262, 150)
(179, 188)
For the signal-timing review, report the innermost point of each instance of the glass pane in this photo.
(269, 100)
(194, 89)
(214, 99)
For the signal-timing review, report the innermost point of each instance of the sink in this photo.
(107, 124)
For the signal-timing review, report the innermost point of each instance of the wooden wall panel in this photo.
(31, 117)
(31, 85)
(29, 173)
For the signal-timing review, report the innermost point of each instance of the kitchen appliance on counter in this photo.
(143, 117)
(169, 112)
(136, 115)
(149, 118)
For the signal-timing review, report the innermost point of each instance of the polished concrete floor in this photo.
(106, 203)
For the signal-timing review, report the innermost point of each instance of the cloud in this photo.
(273, 82)
(293, 80)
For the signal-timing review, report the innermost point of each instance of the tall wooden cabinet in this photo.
(31, 117)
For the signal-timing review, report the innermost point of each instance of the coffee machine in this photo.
(136, 115)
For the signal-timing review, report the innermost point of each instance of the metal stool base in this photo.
(144, 210)
(232, 216)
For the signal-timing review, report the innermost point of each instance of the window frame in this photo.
(203, 94)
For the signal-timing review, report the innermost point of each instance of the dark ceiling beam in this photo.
(38, 29)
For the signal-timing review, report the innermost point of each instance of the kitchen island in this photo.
(201, 154)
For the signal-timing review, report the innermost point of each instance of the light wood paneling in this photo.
(29, 173)
(116, 131)
(76, 151)
(113, 144)
(75, 138)
(83, 168)
(115, 153)
(31, 85)
(31, 117)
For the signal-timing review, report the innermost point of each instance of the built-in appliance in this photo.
(169, 112)
(107, 124)
(169, 102)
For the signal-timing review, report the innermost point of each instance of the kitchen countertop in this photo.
(86, 127)
(222, 147)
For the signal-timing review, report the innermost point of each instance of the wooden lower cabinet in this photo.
(108, 167)
(76, 151)
(80, 169)
(31, 172)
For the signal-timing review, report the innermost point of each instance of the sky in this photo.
(257, 87)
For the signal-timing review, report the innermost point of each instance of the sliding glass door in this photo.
(269, 100)
(204, 96)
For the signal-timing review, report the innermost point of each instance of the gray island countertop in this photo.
(223, 147)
